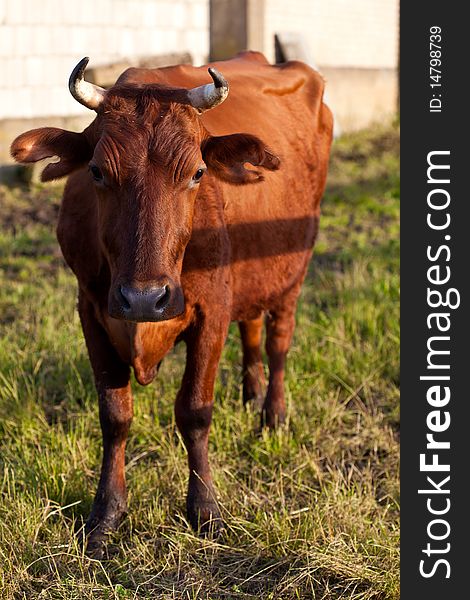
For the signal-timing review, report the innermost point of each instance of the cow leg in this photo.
(115, 409)
(193, 411)
(253, 371)
(279, 330)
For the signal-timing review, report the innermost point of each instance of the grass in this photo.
(311, 510)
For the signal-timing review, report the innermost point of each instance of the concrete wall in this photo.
(42, 40)
(361, 97)
(354, 44)
(339, 33)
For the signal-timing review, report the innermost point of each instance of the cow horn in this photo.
(86, 93)
(210, 95)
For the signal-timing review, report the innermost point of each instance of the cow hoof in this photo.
(272, 420)
(98, 531)
(253, 392)
(97, 545)
(253, 399)
(205, 518)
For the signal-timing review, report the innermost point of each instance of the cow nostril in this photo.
(123, 298)
(142, 304)
(162, 301)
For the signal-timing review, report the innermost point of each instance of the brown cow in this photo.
(168, 243)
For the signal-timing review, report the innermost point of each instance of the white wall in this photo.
(42, 40)
(339, 33)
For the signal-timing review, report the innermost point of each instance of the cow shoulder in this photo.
(295, 77)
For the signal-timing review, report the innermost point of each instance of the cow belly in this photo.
(260, 286)
(269, 257)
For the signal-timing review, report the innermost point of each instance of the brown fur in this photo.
(228, 250)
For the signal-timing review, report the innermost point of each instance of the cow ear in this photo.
(72, 149)
(226, 155)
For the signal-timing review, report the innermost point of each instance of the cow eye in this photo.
(96, 173)
(198, 174)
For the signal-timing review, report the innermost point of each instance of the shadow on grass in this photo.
(230, 574)
(208, 573)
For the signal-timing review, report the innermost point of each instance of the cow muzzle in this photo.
(143, 303)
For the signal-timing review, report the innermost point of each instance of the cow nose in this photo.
(147, 304)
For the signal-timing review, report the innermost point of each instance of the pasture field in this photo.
(311, 510)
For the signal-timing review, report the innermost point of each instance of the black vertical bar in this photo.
(423, 132)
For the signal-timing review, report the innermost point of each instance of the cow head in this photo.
(147, 153)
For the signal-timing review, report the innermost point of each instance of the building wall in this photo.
(42, 40)
(354, 43)
(339, 33)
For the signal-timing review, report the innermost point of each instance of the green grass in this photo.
(311, 510)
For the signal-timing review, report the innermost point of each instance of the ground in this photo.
(311, 510)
